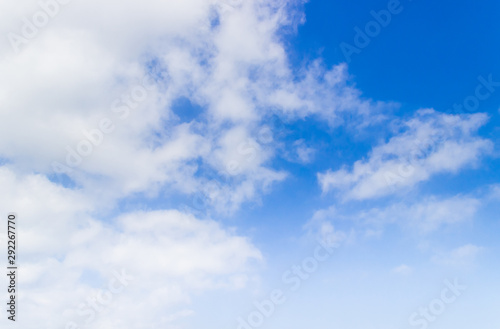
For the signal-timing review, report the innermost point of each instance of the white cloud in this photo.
(85, 65)
(305, 154)
(432, 213)
(171, 255)
(494, 192)
(431, 143)
(320, 227)
(403, 269)
(423, 217)
(461, 256)
(428, 215)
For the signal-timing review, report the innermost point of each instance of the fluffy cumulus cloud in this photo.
(429, 144)
(104, 84)
(161, 258)
(88, 118)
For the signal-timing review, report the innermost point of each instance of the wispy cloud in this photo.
(430, 143)
(461, 256)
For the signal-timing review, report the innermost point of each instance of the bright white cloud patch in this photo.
(104, 86)
(89, 122)
(431, 143)
(170, 256)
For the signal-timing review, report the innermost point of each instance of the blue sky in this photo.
(225, 152)
(429, 56)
